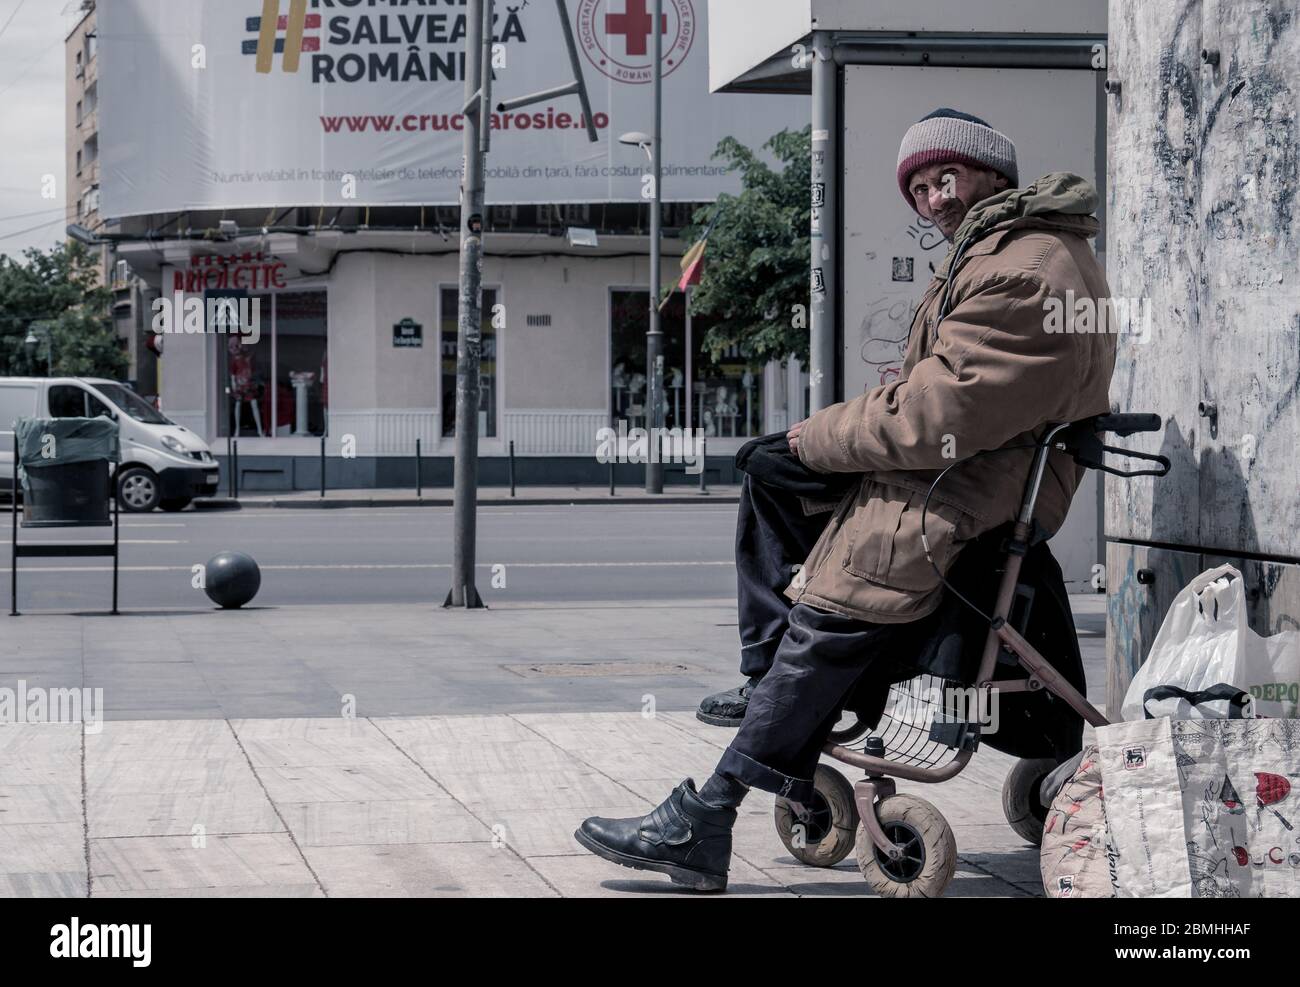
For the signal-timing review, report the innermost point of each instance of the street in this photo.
(396, 555)
(350, 603)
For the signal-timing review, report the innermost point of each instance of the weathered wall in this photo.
(1203, 176)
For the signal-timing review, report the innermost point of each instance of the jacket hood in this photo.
(1057, 201)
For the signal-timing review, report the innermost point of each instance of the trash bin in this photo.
(64, 467)
(74, 492)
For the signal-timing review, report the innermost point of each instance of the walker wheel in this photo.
(826, 836)
(929, 858)
(1020, 802)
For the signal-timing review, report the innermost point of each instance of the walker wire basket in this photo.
(913, 708)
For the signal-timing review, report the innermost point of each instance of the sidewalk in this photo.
(494, 496)
(385, 750)
(422, 806)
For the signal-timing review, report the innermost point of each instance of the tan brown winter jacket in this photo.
(988, 375)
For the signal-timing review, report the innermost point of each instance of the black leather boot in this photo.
(683, 837)
(727, 709)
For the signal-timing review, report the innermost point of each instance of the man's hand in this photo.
(793, 436)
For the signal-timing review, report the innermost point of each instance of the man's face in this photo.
(944, 193)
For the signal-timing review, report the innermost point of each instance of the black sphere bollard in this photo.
(231, 579)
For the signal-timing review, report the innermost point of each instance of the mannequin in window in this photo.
(676, 380)
(243, 387)
(724, 410)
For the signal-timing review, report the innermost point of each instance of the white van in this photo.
(163, 465)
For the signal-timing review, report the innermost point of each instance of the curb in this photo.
(338, 503)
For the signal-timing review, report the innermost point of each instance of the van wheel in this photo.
(174, 504)
(137, 490)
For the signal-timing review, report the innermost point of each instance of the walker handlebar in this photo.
(1127, 424)
(1081, 441)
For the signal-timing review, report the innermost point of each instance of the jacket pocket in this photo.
(886, 545)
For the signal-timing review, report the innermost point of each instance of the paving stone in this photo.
(589, 876)
(68, 884)
(42, 847)
(161, 739)
(426, 870)
(248, 891)
(57, 802)
(572, 788)
(401, 821)
(348, 782)
(173, 863)
(173, 776)
(241, 810)
(309, 742)
(37, 739)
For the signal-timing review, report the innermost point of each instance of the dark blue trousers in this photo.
(811, 661)
(773, 536)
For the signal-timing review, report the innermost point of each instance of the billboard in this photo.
(264, 103)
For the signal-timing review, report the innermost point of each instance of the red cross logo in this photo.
(600, 24)
(635, 25)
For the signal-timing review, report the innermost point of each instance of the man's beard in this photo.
(949, 219)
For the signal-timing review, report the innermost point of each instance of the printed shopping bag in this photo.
(1203, 808)
(1074, 858)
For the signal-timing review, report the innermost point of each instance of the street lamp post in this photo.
(653, 145)
(32, 342)
(654, 470)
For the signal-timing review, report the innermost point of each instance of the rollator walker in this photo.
(905, 847)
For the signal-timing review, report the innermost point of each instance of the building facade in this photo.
(348, 260)
(356, 345)
(82, 184)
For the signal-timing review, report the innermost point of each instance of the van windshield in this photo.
(134, 405)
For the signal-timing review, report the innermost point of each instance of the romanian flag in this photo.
(693, 260)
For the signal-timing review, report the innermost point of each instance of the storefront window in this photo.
(487, 395)
(277, 386)
(302, 385)
(724, 397)
(728, 391)
(629, 320)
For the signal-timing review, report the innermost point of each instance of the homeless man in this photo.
(981, 372)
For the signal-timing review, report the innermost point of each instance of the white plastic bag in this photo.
(1205, 641)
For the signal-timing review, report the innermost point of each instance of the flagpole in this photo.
(703, 237)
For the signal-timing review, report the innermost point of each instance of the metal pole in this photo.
(704, 465)
(117, 510)
(469, 336)
(654, 470)
(230, 469)
(235, 471)
(13, 554)
(824, 235)
(322, 466)
(512, 467)
(419, 484)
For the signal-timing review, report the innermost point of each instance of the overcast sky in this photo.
(31, 121)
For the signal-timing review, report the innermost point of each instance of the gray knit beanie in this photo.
(949, 135)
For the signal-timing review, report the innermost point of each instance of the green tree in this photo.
(61, 288)
(756, 267)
